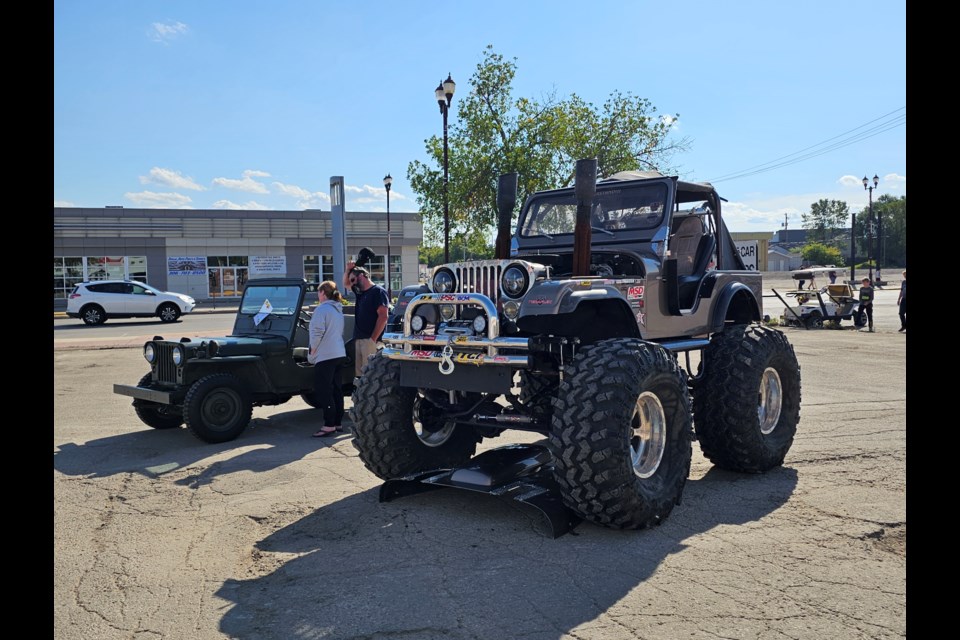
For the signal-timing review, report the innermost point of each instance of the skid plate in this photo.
(523, 472)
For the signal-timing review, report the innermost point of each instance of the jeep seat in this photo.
(692, 248)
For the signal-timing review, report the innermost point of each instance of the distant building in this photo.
(781, 259)
(753, 245)
(210, 254)
(789, 236)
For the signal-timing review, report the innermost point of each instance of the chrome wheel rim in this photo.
(649, 438)
(430, 435)
(770, 400)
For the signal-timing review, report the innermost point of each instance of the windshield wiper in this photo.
(606, 231)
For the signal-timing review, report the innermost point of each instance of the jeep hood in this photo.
(228, 346)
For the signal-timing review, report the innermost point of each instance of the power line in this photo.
(885, 124)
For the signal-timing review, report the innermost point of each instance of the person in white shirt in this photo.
(327, 355)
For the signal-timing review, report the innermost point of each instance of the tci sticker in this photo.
(635, 292)
(473, 358)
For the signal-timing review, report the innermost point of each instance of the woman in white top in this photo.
(326, 355)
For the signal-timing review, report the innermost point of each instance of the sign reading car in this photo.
(748, 253)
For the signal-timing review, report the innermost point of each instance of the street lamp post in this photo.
(870, 189)
(387, 181)
(444, 95)
(853, 249)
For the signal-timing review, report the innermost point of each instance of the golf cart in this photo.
(828, 305)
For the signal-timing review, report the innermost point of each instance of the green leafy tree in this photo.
(494, 133)
(827, 218)
(892, 212)
(817, 253)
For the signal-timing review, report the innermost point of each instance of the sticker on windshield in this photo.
(265, 309)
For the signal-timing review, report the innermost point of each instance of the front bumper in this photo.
(141, 393)
(452, 348)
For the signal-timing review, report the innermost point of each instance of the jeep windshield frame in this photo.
(286, 299)
(618, 206)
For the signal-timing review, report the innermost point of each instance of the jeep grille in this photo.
(165, 370)
(483, 279)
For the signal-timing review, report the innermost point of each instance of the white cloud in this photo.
(250, 204)
(850, 181)
(164, 32)
(292, 190)
(170, 178)
(894, 182)
(63, 203)
(305, 199)
(246, 183)
(153, 200)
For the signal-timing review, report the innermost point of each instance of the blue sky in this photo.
(242, 104)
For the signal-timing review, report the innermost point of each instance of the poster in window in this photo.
(187, 266)
(268, 265)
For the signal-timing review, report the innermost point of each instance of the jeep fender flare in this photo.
(736, 302)
(599, 302)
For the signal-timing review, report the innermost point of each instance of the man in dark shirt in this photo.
(902, 301)
(370, 317)
(866, 303)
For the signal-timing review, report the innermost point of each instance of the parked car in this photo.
(96, 302)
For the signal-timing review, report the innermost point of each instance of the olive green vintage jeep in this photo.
(212, 384)
(576, 332)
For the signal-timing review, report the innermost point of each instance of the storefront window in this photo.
(68, 271)
(227, 276)
(316, 269)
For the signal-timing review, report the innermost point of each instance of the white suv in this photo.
(94, 302)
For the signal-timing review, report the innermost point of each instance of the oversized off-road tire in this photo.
(93, 314)
(397, 431)
(168, 312)
(217, 408)
(154, 414)
(536, 393)
(746, 399)
(621, 433)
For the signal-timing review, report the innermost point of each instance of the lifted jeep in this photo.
(584, 313)
(213, 384)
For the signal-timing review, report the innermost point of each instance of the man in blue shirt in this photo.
(370, 317)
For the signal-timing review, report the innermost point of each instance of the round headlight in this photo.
(446, 311)
(480, 324)
(177, 356)
(417, 322)
(443, 282)
(511, 309)
(514, 281)
(149, 353)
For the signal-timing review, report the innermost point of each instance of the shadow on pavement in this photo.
(279, 440)
(455, 564)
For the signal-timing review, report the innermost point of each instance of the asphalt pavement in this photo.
(281, 536)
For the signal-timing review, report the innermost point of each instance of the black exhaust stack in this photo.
(585, 189)
(506, 201)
